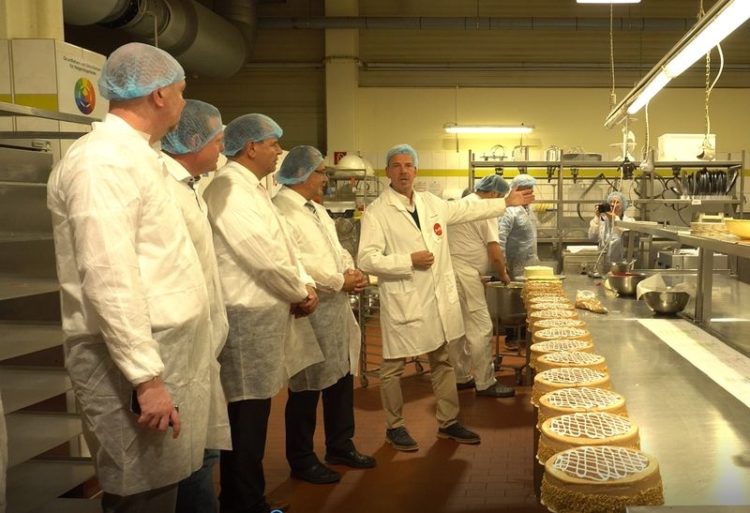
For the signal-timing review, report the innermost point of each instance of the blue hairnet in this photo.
(523, 180)
(493, 183)
(621, 196)
(199, 123)
(402, 149)
(298, 165)
(249, 128)
(135, 70)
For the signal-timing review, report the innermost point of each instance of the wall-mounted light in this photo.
(452, 128)
(608, 1)
(720, 21)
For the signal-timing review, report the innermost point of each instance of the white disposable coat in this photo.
(325, 259)
(133, 301)
(517, 231)
(195, 213)
(419, 308)
(261, 277)
(609, 238)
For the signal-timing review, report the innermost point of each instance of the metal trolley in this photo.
(508, 312)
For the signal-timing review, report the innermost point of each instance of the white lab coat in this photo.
(325, 259)
(195, 213)
(133, 302)
(609, 238)
(419, 308)
(261, 276)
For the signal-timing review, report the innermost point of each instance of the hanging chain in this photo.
(612, 95)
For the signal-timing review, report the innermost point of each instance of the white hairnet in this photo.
(135, 70)
(199, 123)
(621, 196)
(299, 163)
(523, 180)
(402, 149)
(249, 128)
(492, 183)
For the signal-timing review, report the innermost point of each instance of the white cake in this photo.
(564, 432)
(571, 359)
(602, 479)
(538, 272)
(560, 332)
(557, 345)
(565, 377)
(580, 400)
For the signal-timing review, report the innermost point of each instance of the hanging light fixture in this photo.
(720, 21)
(452, 128)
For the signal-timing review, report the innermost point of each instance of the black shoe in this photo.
(459, 433)
(317, 474)
(465, 386)
(497, 390)
(353, 458)
(400, 439)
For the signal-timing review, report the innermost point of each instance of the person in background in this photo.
(303, 177)
(517, 230)
(133, 296)
(192, 149)
(474, 249)
(403, 242)
(264, 284)
(603, 230)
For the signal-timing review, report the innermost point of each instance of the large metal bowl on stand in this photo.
(506, 308)
(666, 302)
(625, 284)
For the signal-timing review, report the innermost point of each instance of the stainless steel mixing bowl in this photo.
(625, 284)
(667, 302)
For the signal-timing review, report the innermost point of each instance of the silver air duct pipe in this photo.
(204, 42)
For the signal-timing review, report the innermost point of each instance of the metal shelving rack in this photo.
(732, 202)
(30, 331)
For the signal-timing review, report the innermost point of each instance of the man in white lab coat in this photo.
(403, 242)
(474, 247)
(192, 149)
(133, 295)
(303, 175)
(264, 283)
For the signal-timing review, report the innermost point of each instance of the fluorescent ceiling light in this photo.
(720, 21)
(488, 129)
(608, 1)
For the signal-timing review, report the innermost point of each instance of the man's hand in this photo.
(504, 276)
(157, 410)
(519, 197)
(310, 303)
(354, 281)
(422, 259)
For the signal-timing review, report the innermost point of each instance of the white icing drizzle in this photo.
(552, 306)
(583, 398)
(596, 426)
(557, 345)
(561, 323)
(561, 332)
(552, 314)
(572, 357)
(549, 299)
(601, 463)
(571, 375)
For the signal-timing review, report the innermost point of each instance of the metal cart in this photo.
(508, 312)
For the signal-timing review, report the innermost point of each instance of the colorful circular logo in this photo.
(85, 95)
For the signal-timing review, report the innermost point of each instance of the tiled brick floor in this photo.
(495, 476)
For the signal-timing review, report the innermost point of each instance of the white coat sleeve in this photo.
(374, 256)
(104, 217)
(463, 211)
(594, 227)
(255, 248)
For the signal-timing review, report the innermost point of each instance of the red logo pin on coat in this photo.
(438, 229)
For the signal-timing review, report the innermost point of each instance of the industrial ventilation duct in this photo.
(207, 43)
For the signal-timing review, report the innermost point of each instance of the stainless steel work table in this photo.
(699, 433)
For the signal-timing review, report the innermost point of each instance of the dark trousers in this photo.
(195, 493)
(242, 481)
(338, 420)
(161, 500)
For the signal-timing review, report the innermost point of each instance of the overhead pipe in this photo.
(468, 23)
(203, 41)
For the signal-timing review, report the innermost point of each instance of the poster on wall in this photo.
(78, 71)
